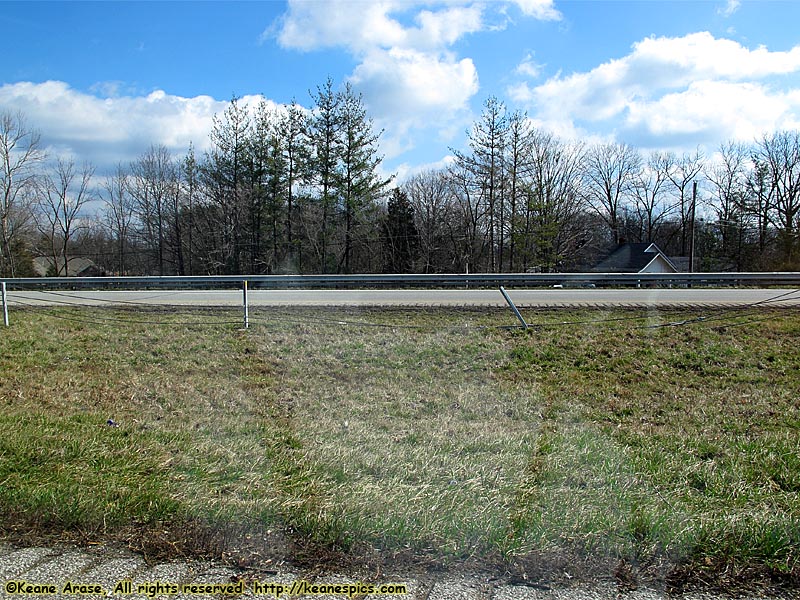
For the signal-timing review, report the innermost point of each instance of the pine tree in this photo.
(292, 129)
(324, 137)
(223, 175)
(401, 239)
(486, 165)
(359, 183)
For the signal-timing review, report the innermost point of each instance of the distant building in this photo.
(77, 267)
(635, 258)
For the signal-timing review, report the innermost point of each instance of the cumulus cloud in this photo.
(408, 84)
(107, 130)
(406, 67)
(743, 110)
(539, 9)
(402, 50)
(362, 27)
(693, 85)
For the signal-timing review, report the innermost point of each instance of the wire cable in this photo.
(727, 314)
(100, 300)
(98, 320)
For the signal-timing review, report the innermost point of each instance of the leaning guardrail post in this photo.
(513, 307)
(245, 304)
(5, 303)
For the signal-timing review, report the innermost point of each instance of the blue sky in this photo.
(104, 80)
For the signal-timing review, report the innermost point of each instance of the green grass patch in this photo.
(75, 472)
(439, 434)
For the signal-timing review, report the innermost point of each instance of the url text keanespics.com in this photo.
(151, 589)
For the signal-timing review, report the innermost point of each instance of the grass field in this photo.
(645, 441)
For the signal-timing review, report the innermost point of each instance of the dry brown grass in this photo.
(416, 433)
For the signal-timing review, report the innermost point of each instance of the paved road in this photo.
(107, 567)
(450, 297)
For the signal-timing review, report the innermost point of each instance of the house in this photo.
(77, 267)
(635, 258)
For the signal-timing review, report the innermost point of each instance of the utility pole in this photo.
(691, 237)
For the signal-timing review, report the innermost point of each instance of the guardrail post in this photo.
(513, 307)
(245, 304)
(5, 303)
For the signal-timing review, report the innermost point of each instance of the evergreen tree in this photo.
(358, 182)
(324, 136)
(267, 191)
(223, 176)
(486, 164)
(401, 239)
(189, 174)
(292, 131)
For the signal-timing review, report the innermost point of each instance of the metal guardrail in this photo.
(476, 280)
(494, 280)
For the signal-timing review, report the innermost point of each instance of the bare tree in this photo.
(62, 195)
(552, 207)
(727, 178)
(153, 185)
(780, 154)
(467, 232)
(518, 161)
(651, 207)
(610, 172)
(430, 196)
(20, 156)
(683, 175)
(759, 201)
(118, 213)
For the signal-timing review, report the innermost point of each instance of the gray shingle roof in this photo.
(630, 258)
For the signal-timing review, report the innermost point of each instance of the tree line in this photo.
(299, 190)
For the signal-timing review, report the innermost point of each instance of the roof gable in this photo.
(78, 266)
(632, 258)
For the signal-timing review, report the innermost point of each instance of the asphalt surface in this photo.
(655, 297)
(30, 571)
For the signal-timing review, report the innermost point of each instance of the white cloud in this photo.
(700, 54)
(529, 67)
(406, 171)
(406, 90)
(741, 111)
(694, 85)
(357, 26)
(539, 9)
(445, 27)
(107, 130)
(407, 84)
(406, 69)
(731, 6)
(361, 27)
(521, 93)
